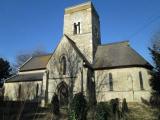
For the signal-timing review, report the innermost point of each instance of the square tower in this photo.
(82, 25)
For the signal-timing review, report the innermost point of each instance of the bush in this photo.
(155, 100)
(124, 106)
(72, 115)
(102, 111)
(78, 106)
(115, 105)
(55, 104)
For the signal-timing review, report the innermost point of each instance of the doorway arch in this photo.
(62, 91)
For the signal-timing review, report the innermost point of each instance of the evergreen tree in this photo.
(155, 80)
(5, 69)
(55, 104)
(78, 107)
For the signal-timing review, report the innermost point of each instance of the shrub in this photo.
(78, 106)
(72, 115)
(155, 100)
(102, 111)
(124, 106)
(115, 105)
(55, 104)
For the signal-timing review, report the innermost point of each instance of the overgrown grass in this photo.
(10, 110)
(140, 111)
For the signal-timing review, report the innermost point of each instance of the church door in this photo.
(63, 93)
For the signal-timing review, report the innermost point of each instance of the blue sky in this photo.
(29, 24)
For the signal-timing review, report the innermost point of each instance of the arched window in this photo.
(110, 82)
(63, 65)
(37, 90)
(141, 80)
(19, 92)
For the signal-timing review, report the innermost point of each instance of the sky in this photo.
(26, 25)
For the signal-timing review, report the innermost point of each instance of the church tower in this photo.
(82, 25)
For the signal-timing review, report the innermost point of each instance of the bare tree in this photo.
(21, 92)
(23, 57)
(101, 80)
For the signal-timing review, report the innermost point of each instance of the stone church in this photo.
(80, 63)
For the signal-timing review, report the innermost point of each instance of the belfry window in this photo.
(76, 28)
(141, 80)
(63, 65)
(110, 82)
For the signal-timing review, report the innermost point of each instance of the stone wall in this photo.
(89, 36)
(126, 84)
(28, 90)
(73, 66)
(84, 39)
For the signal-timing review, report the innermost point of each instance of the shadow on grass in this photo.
(18, 110)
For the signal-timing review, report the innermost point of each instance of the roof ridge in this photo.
(114, 43)
(77, 49)
(25, 63)
(11, 77)
(70, 40)
(42, 55)
(140, 55)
